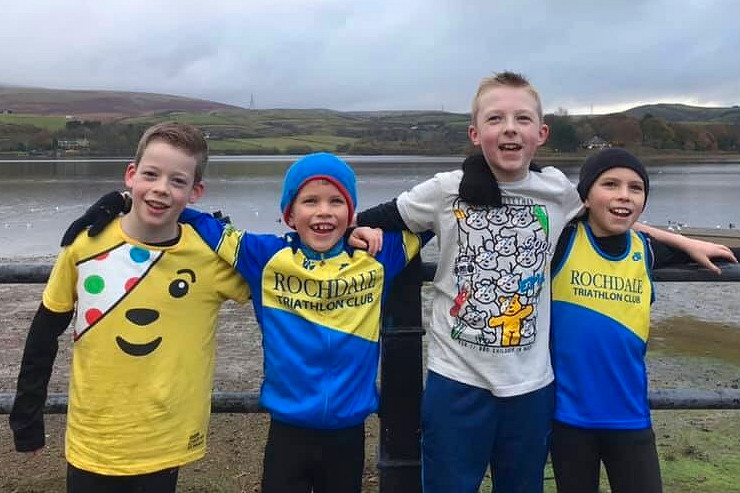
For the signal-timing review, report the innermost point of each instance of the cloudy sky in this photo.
(582, 55)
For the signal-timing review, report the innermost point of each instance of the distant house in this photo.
(73, 144)
(5, 111)
(596, 142)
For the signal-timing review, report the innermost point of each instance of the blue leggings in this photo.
(465, 429)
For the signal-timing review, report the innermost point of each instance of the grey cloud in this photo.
(351, 55)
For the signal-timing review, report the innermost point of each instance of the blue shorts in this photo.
(465, 429)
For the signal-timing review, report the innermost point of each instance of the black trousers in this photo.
(629, 456)
(301, 460)
(79, 481)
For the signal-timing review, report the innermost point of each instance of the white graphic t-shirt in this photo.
(491, 309)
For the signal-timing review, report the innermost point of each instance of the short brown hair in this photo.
(504, 79)
(181, 136)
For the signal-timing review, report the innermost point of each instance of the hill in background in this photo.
(98, 104)
(679, 113)
(59, 122)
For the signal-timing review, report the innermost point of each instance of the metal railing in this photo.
(401, 370)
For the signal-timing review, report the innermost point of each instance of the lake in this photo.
(39, 198)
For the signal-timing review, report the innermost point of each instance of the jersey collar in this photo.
(314, 255)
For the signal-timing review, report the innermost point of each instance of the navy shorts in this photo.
(465, 429)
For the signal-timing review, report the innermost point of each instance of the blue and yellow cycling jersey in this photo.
(320, 319)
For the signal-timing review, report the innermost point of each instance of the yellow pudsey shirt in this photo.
(144, 348)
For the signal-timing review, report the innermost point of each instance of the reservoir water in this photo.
(39, 198)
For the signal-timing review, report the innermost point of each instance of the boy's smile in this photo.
(161, 186)
(508, 130)
(320, 215)
(615, 201)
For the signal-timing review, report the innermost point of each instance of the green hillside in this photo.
(58, 123)
(50, 123)
(681, 113)
(97, 104)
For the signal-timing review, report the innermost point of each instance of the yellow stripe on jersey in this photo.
(339, 293)
(411, 244)
(228, 246)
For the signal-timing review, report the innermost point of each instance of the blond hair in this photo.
(504, 79)
(187, 138)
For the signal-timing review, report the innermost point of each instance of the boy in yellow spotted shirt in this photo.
(144, 296)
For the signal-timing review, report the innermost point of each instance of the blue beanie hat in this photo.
(319, 166)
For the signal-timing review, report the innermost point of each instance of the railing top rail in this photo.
(247, 402)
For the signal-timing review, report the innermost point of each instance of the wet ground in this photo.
(695, 343)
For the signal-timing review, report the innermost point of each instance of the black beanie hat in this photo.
(609, 158)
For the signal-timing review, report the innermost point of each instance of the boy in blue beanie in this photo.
(318, 302)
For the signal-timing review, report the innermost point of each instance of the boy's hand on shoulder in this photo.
(364, 238)
(98, 216)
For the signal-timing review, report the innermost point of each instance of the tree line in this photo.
(389, 135)
(568, 133)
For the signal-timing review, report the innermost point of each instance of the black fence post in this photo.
(399, 462)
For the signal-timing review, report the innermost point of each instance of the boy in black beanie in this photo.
(601, 297)
(600, 162)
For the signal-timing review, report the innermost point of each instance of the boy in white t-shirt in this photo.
(489, 393)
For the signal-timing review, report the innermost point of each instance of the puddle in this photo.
(688, 336)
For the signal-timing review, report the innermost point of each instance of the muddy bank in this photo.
(692, 322)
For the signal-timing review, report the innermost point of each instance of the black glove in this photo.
(223, 219)
(478, 185)
(98, 216)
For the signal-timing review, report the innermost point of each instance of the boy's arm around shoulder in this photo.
(217, 233)
(562, 246)
(245, 252)
(701, 252)
(98, 216)
(208, 227)
(417, 209)
(384, 216)
(422, 206)
(26, 417)
(399, 248)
